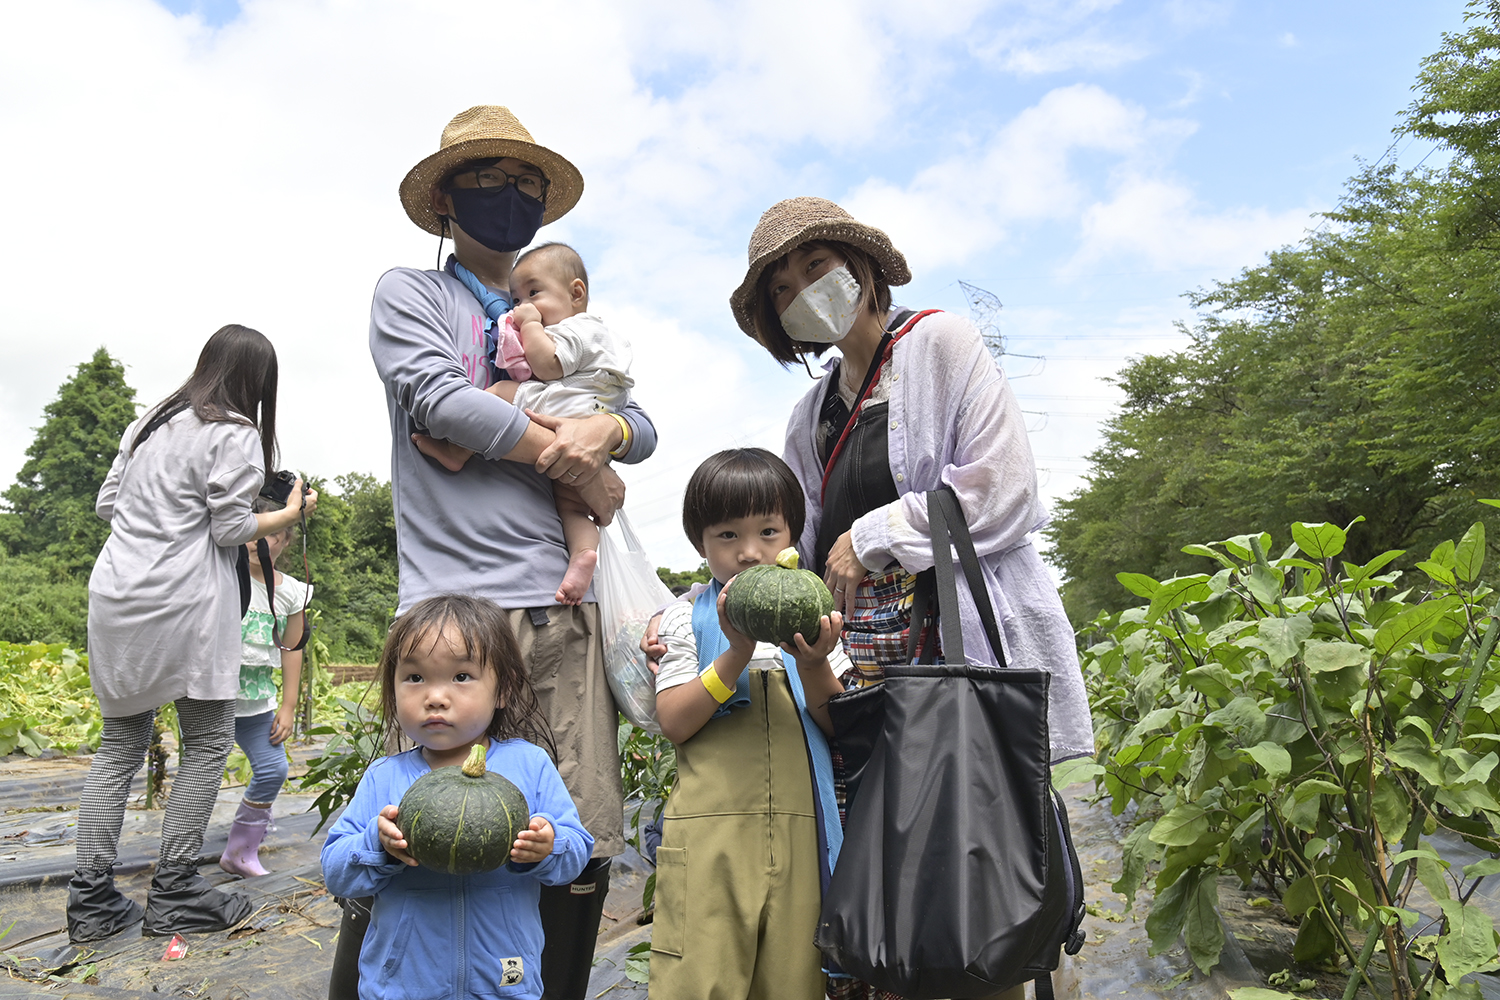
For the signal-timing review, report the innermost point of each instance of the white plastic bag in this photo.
(629, 593)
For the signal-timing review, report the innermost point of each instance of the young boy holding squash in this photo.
(752, 827)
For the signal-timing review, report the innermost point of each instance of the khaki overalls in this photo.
(737, 884)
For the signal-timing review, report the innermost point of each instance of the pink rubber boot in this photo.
(242, 854)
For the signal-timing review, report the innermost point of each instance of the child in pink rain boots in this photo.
(262, 720)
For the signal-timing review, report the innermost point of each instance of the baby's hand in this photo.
(391, 838)
(813, 655)
(526, 313)
(534, 843)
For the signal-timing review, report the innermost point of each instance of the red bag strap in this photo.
(869, 388)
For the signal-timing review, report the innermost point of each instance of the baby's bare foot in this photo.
(578, 577)
(447, 454)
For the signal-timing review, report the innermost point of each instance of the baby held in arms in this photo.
(562, 361)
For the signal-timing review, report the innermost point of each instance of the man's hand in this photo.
(534, 843)
(580, 447)
(604, 494)
(391, 837)
(843, 573)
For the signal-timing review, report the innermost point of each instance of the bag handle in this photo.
(946, 520)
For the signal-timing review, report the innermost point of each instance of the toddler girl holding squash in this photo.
(453, 681)
(752, 827)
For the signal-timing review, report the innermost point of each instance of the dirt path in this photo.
(287, 947)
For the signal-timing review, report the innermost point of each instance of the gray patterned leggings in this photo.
(207, 737)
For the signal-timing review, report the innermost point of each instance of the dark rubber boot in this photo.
(96, 908)
(343, 984)
(183, 902)
(570, 924)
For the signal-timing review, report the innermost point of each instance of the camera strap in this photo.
(267, 570)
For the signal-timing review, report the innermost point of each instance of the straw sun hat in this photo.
(788, 224)
(487, 132)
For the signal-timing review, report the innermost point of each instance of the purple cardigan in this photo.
(955, 422)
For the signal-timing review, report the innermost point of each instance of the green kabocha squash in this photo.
(774, 603)
(462, 820)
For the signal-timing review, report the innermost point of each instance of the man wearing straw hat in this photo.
(492, 528)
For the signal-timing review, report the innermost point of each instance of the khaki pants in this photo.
(566, 657)
(737, 884)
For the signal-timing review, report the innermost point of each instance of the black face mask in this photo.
(501, 218)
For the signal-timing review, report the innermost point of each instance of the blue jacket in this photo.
(437, 936)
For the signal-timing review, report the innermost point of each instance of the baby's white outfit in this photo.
(596, 371)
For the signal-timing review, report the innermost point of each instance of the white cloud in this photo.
(1024, 174)
(169, 177)
(1159, 222)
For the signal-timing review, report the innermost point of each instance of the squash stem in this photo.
(474, 765)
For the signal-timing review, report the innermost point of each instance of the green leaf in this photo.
(1479, 869)
(1492, 503)
(1468, 558)
(1437, 572)
(1411, 626)
(1138, 584)
(1071, 772)
(1176, 592)
(1203, 550)
(1468, 943)
(1181, 826)
(1391, 807)
(1264, 585)
(1315, 786)
(1299, 896)
(1315, 941)
(1164, 922)
(1413, 752)
(1202, 928)
(1321, 656)
(1273, 758)
(1137, 852)
(1211, 679)
(1321, 540)
(1241, 716)
(1430, 874)
(1260, 993)
(1281, 638)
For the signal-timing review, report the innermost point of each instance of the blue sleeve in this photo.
(413, 349)
(354, 863)
(572, 844)
(642, 434)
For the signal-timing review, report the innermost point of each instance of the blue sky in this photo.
(1085, 161)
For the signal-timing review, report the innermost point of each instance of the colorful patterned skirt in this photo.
(876, 635)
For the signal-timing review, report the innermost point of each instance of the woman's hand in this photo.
(843, 572)
(391, 838)
(534, 843)
(580, 447)
(281, 726)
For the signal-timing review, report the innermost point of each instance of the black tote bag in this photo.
(957, 877)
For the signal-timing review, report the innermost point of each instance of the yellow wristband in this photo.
(715, 685)
(620, 450)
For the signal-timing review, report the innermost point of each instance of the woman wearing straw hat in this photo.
(492, 528)
(913, 402)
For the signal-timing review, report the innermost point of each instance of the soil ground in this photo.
(285, 949)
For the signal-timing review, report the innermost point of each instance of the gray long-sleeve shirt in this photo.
(492, 528)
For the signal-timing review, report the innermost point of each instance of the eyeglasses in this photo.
(531, 183)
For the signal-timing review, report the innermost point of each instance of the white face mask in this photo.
(825, 310)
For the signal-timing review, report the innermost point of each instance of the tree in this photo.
(52, 501)
(1353, 374)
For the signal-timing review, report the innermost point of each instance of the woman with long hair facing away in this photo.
(164, 625)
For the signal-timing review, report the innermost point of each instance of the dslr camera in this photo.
(278, 488)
